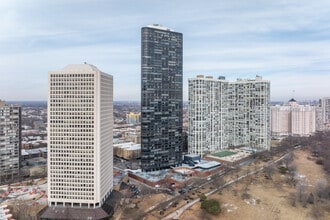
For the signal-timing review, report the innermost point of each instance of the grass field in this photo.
(223, 153)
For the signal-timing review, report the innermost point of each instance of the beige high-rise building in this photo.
(80, 124)
(281, 120)
(292, 119)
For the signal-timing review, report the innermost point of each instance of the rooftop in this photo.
(88, 68)
(153, 176)
(34, 151)
(160, 27)
(208, 165)
(128, 146)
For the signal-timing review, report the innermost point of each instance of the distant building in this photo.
(38, 124)
(133, 136)
(323, 115)
(127, 151)
(161, 98)
(226, 114)
(292, 119)
(10, 141)
(133, 118)
(80, 124)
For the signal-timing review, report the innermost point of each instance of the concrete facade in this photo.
(249, 113)
(80, 126)
(208, 113)
(293, 119)
(226, 114)
(323, 115)
(127, 151)
(10, 141)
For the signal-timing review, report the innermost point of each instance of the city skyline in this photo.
(284, 42)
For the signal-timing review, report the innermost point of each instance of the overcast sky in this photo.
(286, 42)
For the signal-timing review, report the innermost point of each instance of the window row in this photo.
(71, 197)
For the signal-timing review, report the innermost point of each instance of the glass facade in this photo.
(161, 98)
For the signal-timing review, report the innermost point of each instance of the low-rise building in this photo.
(127, 151)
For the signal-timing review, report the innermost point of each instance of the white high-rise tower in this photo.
(10, 141)
(226, 114)
(80, 123)
(208, 113)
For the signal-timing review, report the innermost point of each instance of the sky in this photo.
(285, 42)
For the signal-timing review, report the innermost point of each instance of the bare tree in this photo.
(326, 162)
(269, 171)
(310, 198)
(292, 199)
(248, 171)
(302, 193)
(321, 189)
(291, 174)
(288, 159)
(245, 189)
(219, 181)
(316, 212)
(21, 209)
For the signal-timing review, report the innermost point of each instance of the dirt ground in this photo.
(265, 198)
(151, 200)
(144, 204)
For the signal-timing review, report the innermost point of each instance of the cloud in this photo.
(117, 60)
(232, 38)
(287, 85)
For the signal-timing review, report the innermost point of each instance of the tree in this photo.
(202, 197)
(288, 159)
(283, 169)
(322, 189)
(212, 206)
(310, 198)
(292, 199)
(219, 181)
(269, 171)
(302, 194)
(21, 209)
(316, 212)
(292, 173)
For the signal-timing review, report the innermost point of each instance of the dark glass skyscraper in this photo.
(161, 98)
